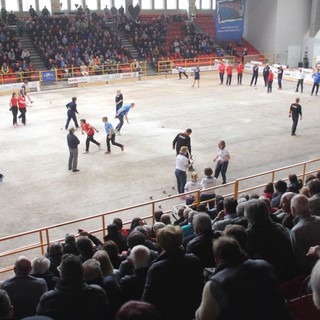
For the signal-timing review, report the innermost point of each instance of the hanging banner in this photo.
(229, 19)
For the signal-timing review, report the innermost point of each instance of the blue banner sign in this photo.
(229, 19)
(48, 75)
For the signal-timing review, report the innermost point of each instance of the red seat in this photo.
(303, 308)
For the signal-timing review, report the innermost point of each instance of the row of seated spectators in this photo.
(148, 37)
(63, 41)
(248, 241)
(13, 58)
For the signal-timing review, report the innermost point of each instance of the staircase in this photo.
(35, 58)
(129, 46)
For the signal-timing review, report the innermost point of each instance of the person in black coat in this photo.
(133, 285)
(73, 298)
(201, 245)
(269, 241)
(114, 234)
(175, 280)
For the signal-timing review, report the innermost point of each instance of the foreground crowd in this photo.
(221, 263)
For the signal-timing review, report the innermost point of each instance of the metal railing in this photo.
(63, 74)
(36, 241)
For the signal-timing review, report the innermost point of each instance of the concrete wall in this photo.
(278, 26)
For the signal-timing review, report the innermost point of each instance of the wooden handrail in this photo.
(45, 240)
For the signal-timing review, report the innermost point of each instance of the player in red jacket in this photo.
(221, 69)
(89, 130)
(229, 74)
(240, 68)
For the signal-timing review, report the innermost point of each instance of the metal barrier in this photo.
(164, 66)
(36, 241)
(63, 74)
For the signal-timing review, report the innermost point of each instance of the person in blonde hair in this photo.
(190, 186)
(182, 165)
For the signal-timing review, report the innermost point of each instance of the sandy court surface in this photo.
(38, 190)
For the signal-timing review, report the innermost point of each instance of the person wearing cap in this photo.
(123, 112)
(73, 142)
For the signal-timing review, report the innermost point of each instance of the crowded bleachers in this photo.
(124, 265)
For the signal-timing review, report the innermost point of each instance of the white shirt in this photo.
(208, 182)
(301, 75)
(192, 185)
(182, 162)
(223, 154)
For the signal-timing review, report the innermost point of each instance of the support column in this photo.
(315, 18)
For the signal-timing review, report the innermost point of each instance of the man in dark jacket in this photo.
(269, 241)
(175, 280)
(71, 114)
(23, 289)
(72, 298)
(241, 288)
(132, 285)
(201, 245)
(73, 142)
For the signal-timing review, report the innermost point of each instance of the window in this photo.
(206, 4)
(92, 4)
(46, 3)
(184, 4)
(198, 4)
(27, 3)
(64, 4)
(12, 5)
(171, 4)
(146, 4)
(105, 3)
(159, 4)
(119, 3)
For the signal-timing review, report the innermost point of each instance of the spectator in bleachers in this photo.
(54, 254)
(69, 245)
(313, 187)
(32, 12)
(73, 298)
(269, 241)
(40, 269)
(12, 18)
(201, 245)
(4, 69)
(268, 191)
(305, 234)
(112, 249)
(85, 245)
(207, 182)
(285, 214)
(227, 216)
(174, 281)
(23, 289)
(138, 310)
(135, 238)
(6, 308)
(45, 12)
(4, 14)
(239, 233)
(241, 282)
(295, 184)
(93, 276)
(114, 234)
(132, 285)
(281, 188)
